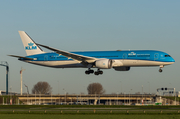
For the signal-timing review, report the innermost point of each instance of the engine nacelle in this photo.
(104, 64)
(122, 68)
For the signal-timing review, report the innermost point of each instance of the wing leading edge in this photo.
(79, 58)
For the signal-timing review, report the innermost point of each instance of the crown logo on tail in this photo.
(30, 47)
(30, 44)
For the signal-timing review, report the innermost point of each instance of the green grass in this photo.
(88, 110)
(108, 116)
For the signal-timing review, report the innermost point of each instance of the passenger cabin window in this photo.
(167, 56)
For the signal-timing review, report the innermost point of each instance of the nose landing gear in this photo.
(160, 70)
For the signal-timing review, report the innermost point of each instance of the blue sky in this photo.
(91, 25)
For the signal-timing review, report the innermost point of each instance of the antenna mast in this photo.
(21, 78)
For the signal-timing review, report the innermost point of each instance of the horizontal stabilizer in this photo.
(20, 57)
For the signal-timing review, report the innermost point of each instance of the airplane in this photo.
(119, 60)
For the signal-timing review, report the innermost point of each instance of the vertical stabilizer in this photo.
(29, 45)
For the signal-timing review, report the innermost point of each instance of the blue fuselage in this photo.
(147, 55)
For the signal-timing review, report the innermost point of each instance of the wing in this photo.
(79, 58)
(20, 57)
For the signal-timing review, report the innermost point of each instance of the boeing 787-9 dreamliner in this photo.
(120, 60)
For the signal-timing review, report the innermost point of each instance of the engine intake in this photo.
(104, 64)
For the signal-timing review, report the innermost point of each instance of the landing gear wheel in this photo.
(101, 72)
(96, 73)
(160, 70)
(91, 71)
(87, 72)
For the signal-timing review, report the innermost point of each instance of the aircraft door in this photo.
(156, 56)
(45, 57)
(124, 56)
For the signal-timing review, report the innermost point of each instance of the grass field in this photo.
(49, 116)
(88, 112)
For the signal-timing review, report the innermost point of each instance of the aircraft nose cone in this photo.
(172, 60)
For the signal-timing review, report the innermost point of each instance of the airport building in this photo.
(2, 92)
(90, 99)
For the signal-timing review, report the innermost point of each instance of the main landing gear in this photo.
(89, 71)
(98, 72)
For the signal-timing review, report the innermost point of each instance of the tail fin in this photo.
(29, 45)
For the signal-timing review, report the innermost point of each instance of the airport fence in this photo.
(92, 111)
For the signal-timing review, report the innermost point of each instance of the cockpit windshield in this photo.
(167, 56)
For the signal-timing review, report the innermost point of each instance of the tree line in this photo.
(45, 88)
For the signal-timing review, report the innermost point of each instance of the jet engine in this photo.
(103, 64)
(122, 68)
